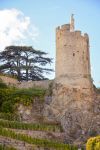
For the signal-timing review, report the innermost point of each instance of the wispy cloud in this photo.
(15, 28)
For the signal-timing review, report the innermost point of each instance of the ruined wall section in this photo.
(26, 84)
(72, 54)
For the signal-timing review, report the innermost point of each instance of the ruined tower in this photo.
(73, 96)
(72, 56)
(72, 87)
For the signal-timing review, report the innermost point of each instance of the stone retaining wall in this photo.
(25, 84)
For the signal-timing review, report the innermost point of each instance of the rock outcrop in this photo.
(77, 110)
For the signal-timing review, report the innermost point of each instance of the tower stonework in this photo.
(72, 56)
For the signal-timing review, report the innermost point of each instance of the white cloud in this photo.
(15, 28)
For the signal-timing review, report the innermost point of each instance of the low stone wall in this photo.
(29, 84)
(9, 80)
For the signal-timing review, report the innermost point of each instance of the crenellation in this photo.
(86, 35)
(65, 27)
(86, 38)
(77, 33)
(58, 28)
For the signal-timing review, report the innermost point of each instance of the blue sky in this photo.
(41, 17)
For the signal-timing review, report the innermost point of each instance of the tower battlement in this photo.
(63, 27)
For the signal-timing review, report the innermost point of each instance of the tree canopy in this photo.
(24, 62)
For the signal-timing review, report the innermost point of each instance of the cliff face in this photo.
(81, 119)
(77, 110)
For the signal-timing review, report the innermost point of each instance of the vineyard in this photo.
(13, 130)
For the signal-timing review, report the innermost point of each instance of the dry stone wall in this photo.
(15, 83)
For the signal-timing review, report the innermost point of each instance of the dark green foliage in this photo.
(24, 62)
(39, 142)
(93, 143)
(5, 96)
(9, 116)
(28, 95)
(7, 107)
(11, 96)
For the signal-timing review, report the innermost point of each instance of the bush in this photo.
(93, 143)
(10, 96)
(7, 107)
(9, 116)
(5, 95)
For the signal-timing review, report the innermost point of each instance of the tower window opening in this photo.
(73, 54)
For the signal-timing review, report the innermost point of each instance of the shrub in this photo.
(2, 84)
(9, 97)
(7, 107)
(5, 95)
(93, 143)
(9, 116)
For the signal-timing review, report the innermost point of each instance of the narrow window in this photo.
(73, 54)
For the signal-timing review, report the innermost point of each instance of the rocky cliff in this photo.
(77, 110)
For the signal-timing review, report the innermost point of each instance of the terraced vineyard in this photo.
(27, 136)
(18, 135)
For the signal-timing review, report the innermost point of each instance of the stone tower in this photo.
(72, 56)
(72, 86)
(74, 101)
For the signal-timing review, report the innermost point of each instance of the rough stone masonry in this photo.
(74, 100)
